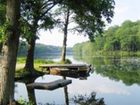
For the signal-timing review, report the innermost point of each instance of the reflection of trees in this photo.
(116, 68)
(88, 100)
(31, 95)
(66, 93)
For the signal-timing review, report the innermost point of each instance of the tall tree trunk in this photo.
(65, 36)
(10, 46)
(29, 65)
(64, 48)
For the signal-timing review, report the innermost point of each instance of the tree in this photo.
(117, 38)
(65, 30)
(35, 15)
(128, 35)
(10, 46)
(88, 15)
(63, 16)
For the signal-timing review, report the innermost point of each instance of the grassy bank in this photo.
(37, 62)
(20, 72)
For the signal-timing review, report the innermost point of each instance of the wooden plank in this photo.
(63, 65)
(51, 85)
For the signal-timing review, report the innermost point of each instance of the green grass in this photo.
(22, 60)
(20, 71)
(21, 63)
(37, 62)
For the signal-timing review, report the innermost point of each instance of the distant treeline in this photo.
(41, 50)
(117, 38)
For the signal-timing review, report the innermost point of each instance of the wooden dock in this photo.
(70, 70)
(65, 70)
(66, 67)
(51, 85)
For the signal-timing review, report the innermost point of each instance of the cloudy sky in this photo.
(124, 10)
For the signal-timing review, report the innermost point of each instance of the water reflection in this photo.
(66, 95)
(126, 69)
(46, 97)
(21, 92)
(88, 100)
(115, 79)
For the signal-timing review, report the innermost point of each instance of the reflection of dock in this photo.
(80, 71)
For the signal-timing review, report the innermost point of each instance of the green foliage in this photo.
(126, 69)
(20, 71)
(6, 26)
(2, 12)
(127, 33)
(118, 38)
(67, 61)
(88, 100)
(90, 15)
(23, 102)
(40, 49)
(21, 60)
(1, 33)
(35, 16)
(2, 19)
(42, 61)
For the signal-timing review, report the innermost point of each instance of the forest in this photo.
(42, 50)
(116, 39)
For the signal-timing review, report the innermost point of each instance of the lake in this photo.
(115, 79)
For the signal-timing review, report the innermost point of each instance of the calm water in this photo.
(115, 79)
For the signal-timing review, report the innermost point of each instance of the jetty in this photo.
(68, 66)
(70, 70)
(80, 71)
(50, 85)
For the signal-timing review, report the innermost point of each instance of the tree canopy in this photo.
(90, 15)
(117, 38)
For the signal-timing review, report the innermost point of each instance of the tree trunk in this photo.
(10, 46)
(29, 65)
(65, 36)
(64, 48)
(1, 47)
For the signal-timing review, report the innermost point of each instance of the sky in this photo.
(124, 10)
